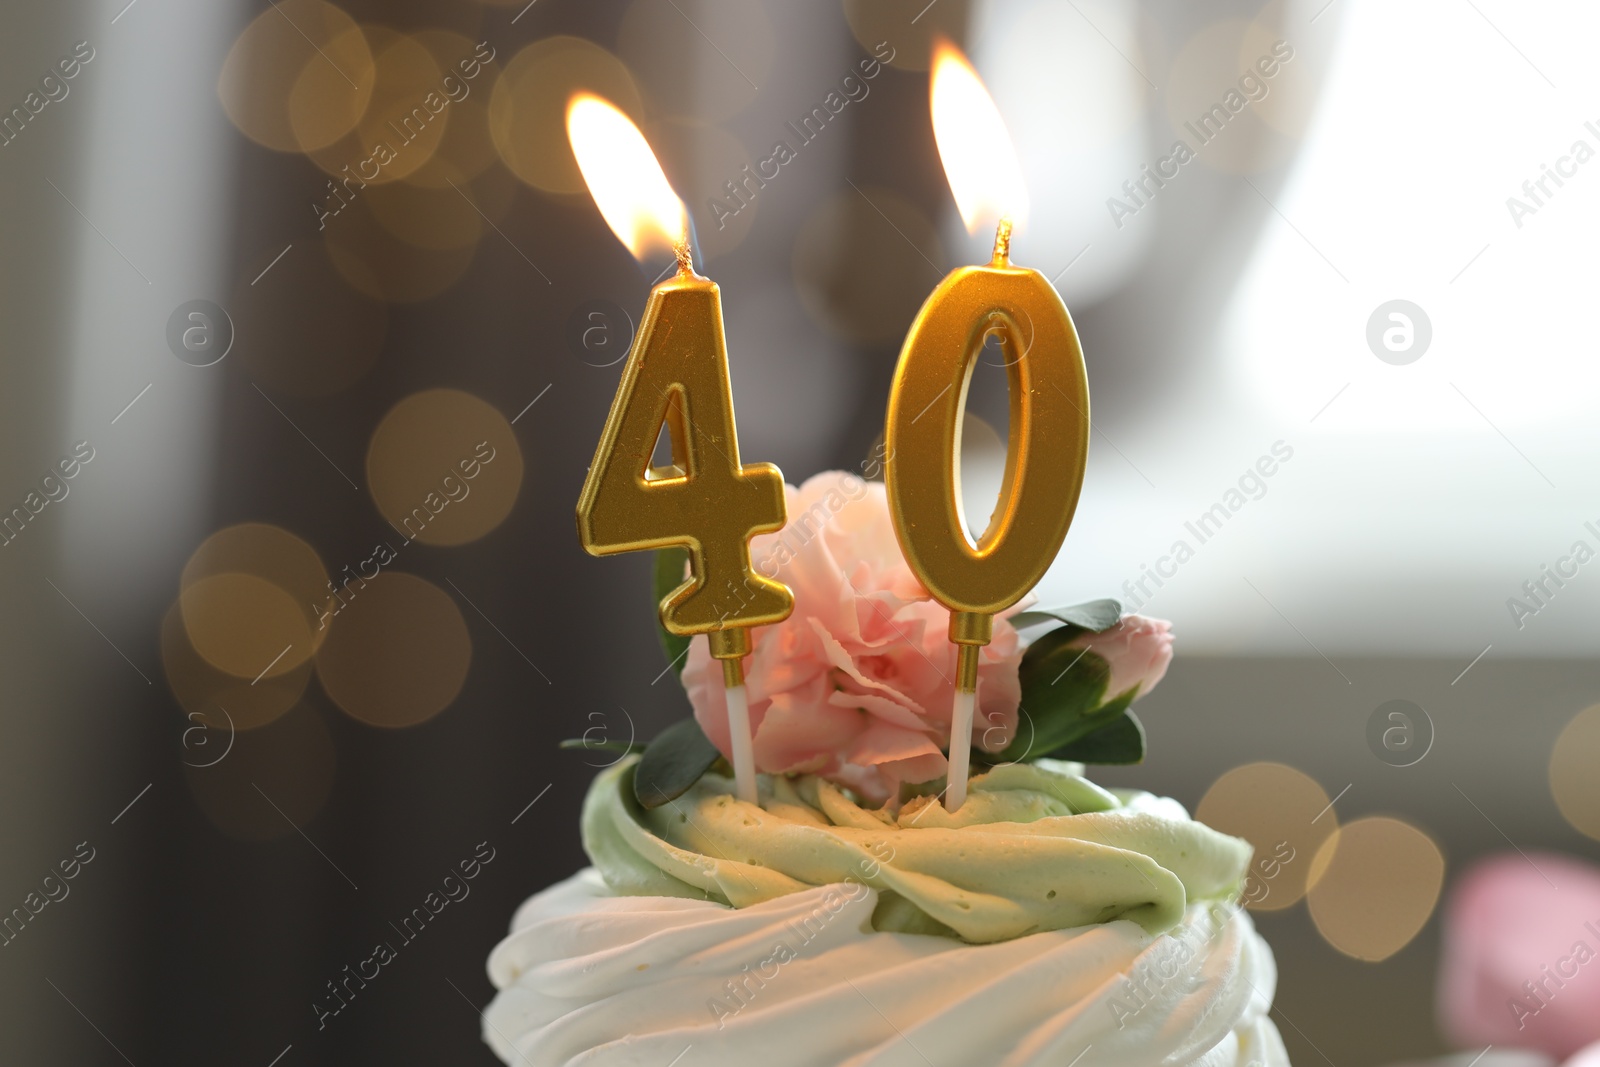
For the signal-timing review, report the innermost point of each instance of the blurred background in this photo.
(275, 676)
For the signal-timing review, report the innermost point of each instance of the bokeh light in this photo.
(398, 652)
(330, 86)
(216, 696)
(409, 110)
(403, 123)
(273, 780)
(1573, 779)
(247, 598)
(1374, 886)
(467, 149)
(299, 77)
(1285, 814)
(864, 262)
(241, 623)
(442, 218)
(375, 261)
(528, 108)
(444, 467)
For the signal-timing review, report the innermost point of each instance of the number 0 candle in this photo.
(676, 376)
(1049, 414)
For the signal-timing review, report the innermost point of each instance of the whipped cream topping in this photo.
(1035, 847)
(589, 977)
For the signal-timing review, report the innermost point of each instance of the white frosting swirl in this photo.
(591, 979)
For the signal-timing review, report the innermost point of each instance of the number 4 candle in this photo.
(677, 376)
(1049, 422)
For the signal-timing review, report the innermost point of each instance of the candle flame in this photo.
(979, 160)
(625, 178)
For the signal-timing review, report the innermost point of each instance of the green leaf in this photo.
(1063, 696)
(1121, 741)
(585, 744)
(672, 763)
(1096, 616)
(1053, 663)
(667, 576)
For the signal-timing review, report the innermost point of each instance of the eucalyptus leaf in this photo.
(586, 745)
(1120, 741)
(672, 763)
(670, 565)
(1096, 616)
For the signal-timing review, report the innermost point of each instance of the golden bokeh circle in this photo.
(1573, 781)
(240, 623)
(467, 149)
(442, 218)
(528, 108)
(409, 110)
(444, 467)
(404, 122)
(1374, 886)
(298, 78)
(398, 652)
(314, 121)
(215, 698)
(436, 219)
(738, 46)
(247, 598)
(905, 30)
(373, 260)
(1285, 814)
(300, 329)
(864, 261)
(272, 781)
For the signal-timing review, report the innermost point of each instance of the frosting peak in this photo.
(1036, 847)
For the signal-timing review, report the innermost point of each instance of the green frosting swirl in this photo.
(1035, 847)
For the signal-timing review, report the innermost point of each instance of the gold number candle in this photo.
(1049, 419)
(677, 376)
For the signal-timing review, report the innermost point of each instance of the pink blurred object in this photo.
(1588, 1057)
(1490, 1057)
(1521, 964)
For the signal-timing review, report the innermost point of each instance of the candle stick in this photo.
(676, 377)
(1049, 424)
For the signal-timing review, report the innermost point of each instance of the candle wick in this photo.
(685, 260)
(1002, 243)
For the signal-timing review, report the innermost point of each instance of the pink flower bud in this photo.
(1138, 650)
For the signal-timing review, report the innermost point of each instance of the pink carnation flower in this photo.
(857, 684)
